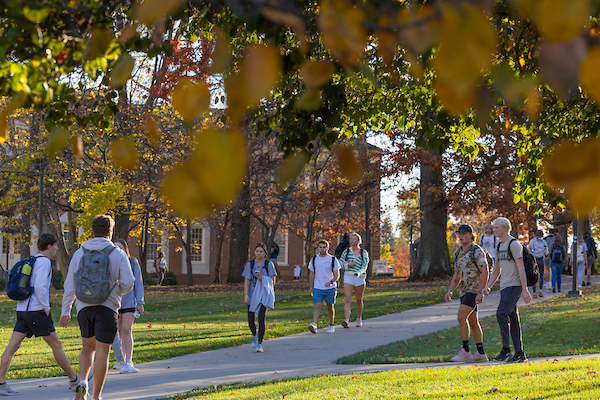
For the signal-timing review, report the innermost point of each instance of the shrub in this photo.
(58, 280)
(170, 279)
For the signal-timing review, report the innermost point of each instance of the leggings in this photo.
(161, 275)
(262, 313)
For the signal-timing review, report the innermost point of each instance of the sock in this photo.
(480, 348)
(466, 345)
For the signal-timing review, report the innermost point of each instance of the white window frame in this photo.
(199, 267)
(282, 238)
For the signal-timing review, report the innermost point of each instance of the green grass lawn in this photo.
(569, 379)
(557, 326)
(179, 323)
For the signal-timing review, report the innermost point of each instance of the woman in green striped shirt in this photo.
(354, 261)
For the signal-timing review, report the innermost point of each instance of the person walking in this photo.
(297, 272)
(489, 242)
(471, 275)
(354, 261)
(322, 281)
(539, 248)
(549, 242)
(160, 264)
(582, 251)
(259, 278)
(97, 320)
(34, 317)
(132, 304)
(513, 285)
(557, 255)
(592, 255)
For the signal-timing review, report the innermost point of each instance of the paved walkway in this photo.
(303, 354)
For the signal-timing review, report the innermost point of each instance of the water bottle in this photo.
(136, 314)
(25, 272)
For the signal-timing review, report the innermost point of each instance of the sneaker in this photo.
(331, 329)
(589, 283)
(312, 327)
(128, 368)
(503, 356)
(259, 348)
(553, 290)
(359, 322)
(345, 323)
(6, 390)
(118, 365)
(519, 357)
(534, 295)
(81, 391)
(462, 356)
(254, 341)
(74, 383)
(479, 358)
(158, 285)
(541, 294)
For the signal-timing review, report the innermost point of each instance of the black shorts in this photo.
(127, 310)
(34, 323)
(468, 299)
(99, 322)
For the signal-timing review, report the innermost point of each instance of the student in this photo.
(557, 255)
(130, 303)
(297, 272)
(550, 242)
(513, 285)
(324, 273)
(489, 241)
(539, 248)
(160, 264)
(259, 275)
(355, 261)
(470, 276)
(97, 322)
(582, 252)
(592, 255)
(34, 317)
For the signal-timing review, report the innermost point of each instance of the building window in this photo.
(4, 245)
(154, 246)
(281, 238)
(196, 244)
(66, 235)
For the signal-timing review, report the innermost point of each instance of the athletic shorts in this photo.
(328, 295)
(354, 281)
(34, 323)
(99, 322)
(468, 299)
(127, 310)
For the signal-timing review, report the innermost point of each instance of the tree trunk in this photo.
(240, 236)
(433, 259)
(217, 244)
(188, 249)
(63, 256)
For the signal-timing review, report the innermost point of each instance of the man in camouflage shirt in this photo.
(470, 276)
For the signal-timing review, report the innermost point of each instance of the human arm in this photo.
(43, 275)
(523, 278)
(138, 286)
(335, 273)
(311, 281)
(485, 275)
(246, 287)
(69, 289)
(126, 278)
(492, 279)
(453, 284)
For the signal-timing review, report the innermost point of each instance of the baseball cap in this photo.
(465, 229)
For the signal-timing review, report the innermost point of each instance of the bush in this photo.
(170, 279)
(58, 280)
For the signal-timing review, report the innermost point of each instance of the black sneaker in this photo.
(553, 290)
(519, 357)
(589, 284)
(504, 355)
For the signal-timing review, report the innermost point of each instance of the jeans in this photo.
(556, 269)
(508, 317)
(580, 271)
(540, 264)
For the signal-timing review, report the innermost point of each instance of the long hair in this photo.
(126, 246)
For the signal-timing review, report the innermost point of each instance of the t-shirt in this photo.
(581, 248)
(538, 247)
(266, 269)
(509, 274)
(323, 271)
(469, 271)
(489, 242)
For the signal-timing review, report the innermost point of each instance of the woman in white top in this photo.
(161, 268)
(354, 261)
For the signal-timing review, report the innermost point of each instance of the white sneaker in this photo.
(118, 366)
(128, 368)
(462, 356)
(478, 358)
(81, 391)
(74, 383)
(331, 329)
(358, 322)
(6, 390)
(312, 327)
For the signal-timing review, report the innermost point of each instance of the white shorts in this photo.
(354, 281)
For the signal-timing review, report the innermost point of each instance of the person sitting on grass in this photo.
(324, 273)
(470, 276)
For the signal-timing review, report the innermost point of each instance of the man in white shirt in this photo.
(324, 273)
(489, 242)
(33, 317)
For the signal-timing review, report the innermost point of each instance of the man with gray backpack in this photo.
(99, 273)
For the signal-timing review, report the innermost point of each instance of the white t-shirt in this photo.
(323, 272)
(489, 242)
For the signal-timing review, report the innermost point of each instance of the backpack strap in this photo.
(312, 260)
(332, 263)
(33, 260)
(510, 254)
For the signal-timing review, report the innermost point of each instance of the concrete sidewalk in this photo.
(303, 354)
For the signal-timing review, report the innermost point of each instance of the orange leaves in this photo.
(190, 99)
(341, 29)
(575, 168)
(468, 41)
(211, 177)
(77, 147)
(151, 127)
(124, 153)
(348, 164)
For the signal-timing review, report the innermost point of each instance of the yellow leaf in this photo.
(291, 168)
(17, 101)
(98, 43)
(190, 99)
(533, 104)
(561, 20)
(588, 74)
(221, 54)
(151, 127)
(348, 164)
(316, 73)
(258, 74)
(424, 29)
(57, 141)
(3, 126)
(124, 154)
(77, 147)
(342, 32)
(151, 10)
(308, 100)
(211, 177)
(121, 71)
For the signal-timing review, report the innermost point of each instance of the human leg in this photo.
(348, 290)
(330, 313)
(59, 355)
(590, 263)
(11, 348)
(508, 300)
(317, 312)
(86, 356)
(126, 333)
(100, 367)
(359, 293)
(463, 314)
(580, 271)
(262, 315)
(251, 322)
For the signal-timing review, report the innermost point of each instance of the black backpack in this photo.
(312, 260)
(556, 255)
(339, 250)
(19, 286)
(532, 273)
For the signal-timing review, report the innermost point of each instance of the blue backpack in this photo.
(19, 286)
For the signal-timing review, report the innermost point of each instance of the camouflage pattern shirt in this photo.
(469, 264)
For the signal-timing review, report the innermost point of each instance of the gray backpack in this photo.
(92, 279)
